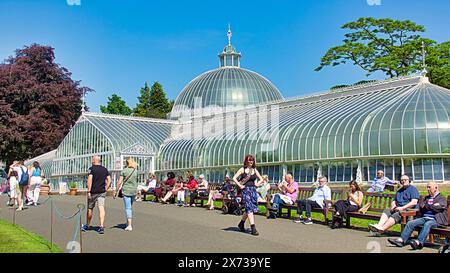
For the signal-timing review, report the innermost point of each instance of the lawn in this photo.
(15, 239)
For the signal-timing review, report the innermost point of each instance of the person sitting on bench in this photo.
(433, 213)
(379, 182)
(149, 188)
(264, 189)
(202, 189)
(178, 191)
(167, 186)
(289, 189)
(321, 193)
(353, 203)
(191, 187)
(227, 188)
(406, 197)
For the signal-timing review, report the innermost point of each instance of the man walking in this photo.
(98, 183)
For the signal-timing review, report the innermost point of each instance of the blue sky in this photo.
(115, 46)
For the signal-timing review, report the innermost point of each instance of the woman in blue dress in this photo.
(247, 179)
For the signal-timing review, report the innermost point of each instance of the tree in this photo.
(142, 109)
(356, 83)
(39, 103)
(390, 46)
(159, 104)
(438, 64)
(116, 105)
(152, 102)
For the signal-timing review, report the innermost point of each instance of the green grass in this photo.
(15, 239)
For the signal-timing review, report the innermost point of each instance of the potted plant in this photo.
(45, 187)
(73, 188)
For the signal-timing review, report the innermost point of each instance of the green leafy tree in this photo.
(160, 106)
(438, 64)
(391, 46)
(116, 105)
(153, 102)
(143, 107)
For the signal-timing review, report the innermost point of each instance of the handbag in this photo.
(120, 193)
(364, 209)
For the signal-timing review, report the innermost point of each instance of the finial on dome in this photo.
(229, 34)
(424, 66)
(229, 57)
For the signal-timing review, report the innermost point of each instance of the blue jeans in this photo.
(128, 202)
(428, 223)
(376, 190)
(277, 201)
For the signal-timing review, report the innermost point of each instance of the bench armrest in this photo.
(408, 213)
(328, 203)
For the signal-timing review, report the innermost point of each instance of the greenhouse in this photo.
(400, 125)
(114, 138)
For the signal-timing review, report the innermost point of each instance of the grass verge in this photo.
(15, 239)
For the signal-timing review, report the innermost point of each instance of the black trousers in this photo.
(192, 197)
(307, 205)
(344, 206)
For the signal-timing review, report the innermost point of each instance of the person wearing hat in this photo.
(227, 188)
(202, 189)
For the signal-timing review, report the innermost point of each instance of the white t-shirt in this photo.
(204, 184)
(18, 169)
(152, 183)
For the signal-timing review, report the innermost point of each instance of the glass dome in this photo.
(229, 86)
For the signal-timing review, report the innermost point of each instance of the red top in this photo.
(192, 184)
(170, 182)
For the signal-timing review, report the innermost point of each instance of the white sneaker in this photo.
(129, 228)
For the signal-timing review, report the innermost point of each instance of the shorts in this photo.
(395, 215)
(13, 189)
(96, 198)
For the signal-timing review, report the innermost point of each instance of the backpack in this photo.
(24, 178)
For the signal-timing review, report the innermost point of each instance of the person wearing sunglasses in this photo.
(407, 197)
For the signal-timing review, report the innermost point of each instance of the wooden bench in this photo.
(379, 202)
(305, 193)
(144, 195)
(443, 231)
(202, 199)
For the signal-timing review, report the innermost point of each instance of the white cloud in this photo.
(73, 2)
(374, 2)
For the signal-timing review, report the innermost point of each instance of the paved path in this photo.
(167, 228)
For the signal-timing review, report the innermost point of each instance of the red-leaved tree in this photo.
(39, 102)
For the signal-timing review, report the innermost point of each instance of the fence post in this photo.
(51, 223)
(14, 213)
(81, 208)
